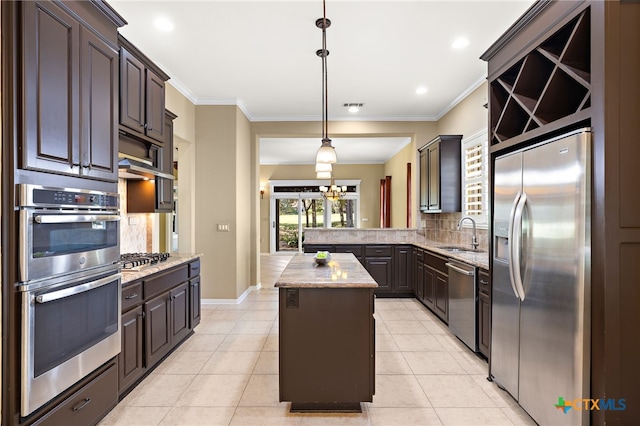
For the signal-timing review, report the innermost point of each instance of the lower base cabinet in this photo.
(484, 312)
(154, 326)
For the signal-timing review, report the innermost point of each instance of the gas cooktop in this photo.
(139, 261)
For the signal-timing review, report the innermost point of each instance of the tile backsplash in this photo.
(442, 227)
(135, 228)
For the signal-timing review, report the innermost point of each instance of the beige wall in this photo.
(369, 174)
(468, 117)
(222, 192)
(396, 167)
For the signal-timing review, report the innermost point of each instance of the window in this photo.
(475, 199)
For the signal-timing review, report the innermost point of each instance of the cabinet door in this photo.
(424, 181)
(402, 266)
(132, 91)
(484, 323)
(51, 92)
(99, 144)
(484, 312)
(179, 297)
(155, 115)
(442, 296)
(429, 287)
(420, 281)
(157, 328)
(194, 302)
(381, 271)
(130, 359)
(164, 187)
(434, 176)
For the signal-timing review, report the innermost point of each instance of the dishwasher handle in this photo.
(459, 270)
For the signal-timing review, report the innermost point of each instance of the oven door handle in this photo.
(75, 218)
(71, 291)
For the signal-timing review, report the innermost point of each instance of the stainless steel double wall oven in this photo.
(69, 249)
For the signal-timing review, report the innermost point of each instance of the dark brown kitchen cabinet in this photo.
(131, 357)
(155, 196)
(179, 298)
(432, 283)
(484, 312)
(442, 296)
(356, 249)
(313, 248)
(142, 94)
(378, 262)
(69, 93)
(157, 313)
(441, 174)
(402, 256)
(195, 293)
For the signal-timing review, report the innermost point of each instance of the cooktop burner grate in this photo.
(138, 261)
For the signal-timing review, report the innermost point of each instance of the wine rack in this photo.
(551, 82)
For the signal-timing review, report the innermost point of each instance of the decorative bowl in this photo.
(322, 257)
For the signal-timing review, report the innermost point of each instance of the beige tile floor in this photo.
(227, 372)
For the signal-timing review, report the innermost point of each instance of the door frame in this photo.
(306, 195)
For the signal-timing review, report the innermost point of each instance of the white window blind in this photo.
(476, 180)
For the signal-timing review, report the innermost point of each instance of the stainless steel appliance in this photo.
(463, 296)
(65, 230)
(131, 262)
(541, 276)
(70, 288)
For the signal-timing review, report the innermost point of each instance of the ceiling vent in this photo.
(353, 104)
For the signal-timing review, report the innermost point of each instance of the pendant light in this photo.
(326, 153)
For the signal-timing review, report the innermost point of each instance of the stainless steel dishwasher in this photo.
(462, 302)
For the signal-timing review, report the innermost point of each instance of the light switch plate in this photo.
(223, 227)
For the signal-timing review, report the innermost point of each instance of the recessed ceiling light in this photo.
(460, 43)
(353, 107)
(164, 24)
(421, 90)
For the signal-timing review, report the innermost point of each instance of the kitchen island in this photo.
(327, 334)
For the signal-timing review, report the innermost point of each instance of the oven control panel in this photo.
(32, 196)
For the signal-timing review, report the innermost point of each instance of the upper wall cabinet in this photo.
(70, 88)
(142, 94)
(440, 175)
(550, 87)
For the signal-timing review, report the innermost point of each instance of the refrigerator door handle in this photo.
(516, 246)
(510, 238)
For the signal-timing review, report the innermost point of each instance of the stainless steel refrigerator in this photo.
(540, 343)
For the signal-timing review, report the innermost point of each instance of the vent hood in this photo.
(128, 168)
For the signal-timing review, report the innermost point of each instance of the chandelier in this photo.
(333, 192)
(326, 153)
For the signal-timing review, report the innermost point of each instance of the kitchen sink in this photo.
(455, 249)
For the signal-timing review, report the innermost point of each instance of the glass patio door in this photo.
(293, 212)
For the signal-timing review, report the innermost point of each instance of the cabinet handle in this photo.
(83, 404)
(484, 282)
(132, 296)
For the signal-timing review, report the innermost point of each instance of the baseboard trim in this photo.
(232, 301)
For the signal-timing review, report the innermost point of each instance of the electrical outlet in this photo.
(223, 227)
(292, 298)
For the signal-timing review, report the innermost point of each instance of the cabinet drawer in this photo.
(484, 283)
(312, 248)
(89, 404)
(419, 254)
(194, 268)
(346, 248)
(165, 281)
(131, 296)
(436, 262)
(378, 251)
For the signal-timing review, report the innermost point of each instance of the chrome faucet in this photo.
(474, 239)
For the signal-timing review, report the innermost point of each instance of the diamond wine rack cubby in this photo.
(553, 81)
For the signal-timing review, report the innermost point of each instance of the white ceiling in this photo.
(260, 55)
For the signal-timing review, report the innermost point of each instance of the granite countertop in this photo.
(479, 259)
(174, 260)
(342, 271)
